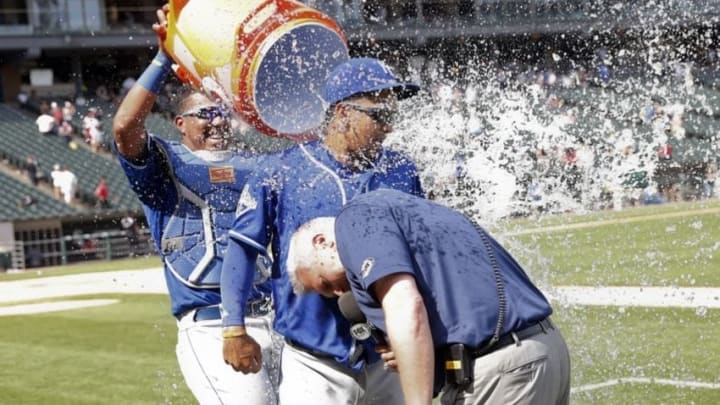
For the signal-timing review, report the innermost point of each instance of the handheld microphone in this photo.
(360, 328)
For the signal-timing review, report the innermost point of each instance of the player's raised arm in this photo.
(129, 121)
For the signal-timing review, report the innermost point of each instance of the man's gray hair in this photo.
(298, 258)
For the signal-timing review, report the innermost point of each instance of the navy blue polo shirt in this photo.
(385, 232)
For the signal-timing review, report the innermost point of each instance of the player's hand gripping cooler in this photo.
(266, 59)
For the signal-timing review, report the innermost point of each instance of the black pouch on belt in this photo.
(458, 364)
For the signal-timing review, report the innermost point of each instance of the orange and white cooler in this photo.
(267, 59)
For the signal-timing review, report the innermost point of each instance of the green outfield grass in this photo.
(116, 354)
(607, 343)
(607, 215)
(655, 251)
(124, 353)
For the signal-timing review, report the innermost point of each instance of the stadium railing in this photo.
(107, 245)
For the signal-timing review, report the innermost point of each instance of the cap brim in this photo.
(402, 90)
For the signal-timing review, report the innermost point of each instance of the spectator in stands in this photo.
(33, 98)
(711, 172)
(101, 193)
(26, 201)
(92, 129)
(56, 112)
(24, 100)
(651, 110)
(375, 11)
(65, 131)
(571, 174)
(68, 111)
(55, 176)
(46, 122)
(103, 93)
(633, 178)
(677, 123)
(67, 182)
(132, 231)
(667, 174)
(665, 152)
(31, 169)
(126, 86)
(80, 100)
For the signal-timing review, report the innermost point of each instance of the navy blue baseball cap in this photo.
(363, 75)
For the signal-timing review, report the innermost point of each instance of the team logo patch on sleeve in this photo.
(367, 265)
(246, 203)
(225, 174)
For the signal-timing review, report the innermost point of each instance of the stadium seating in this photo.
(701, 126)
(19, 138)
(44, 206)
(158, 125)
(626, 107)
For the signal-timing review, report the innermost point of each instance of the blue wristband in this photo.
(154, 75)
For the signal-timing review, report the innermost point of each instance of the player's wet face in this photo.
(204, 124)
(370, 119)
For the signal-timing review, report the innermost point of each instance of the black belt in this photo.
(514, 337)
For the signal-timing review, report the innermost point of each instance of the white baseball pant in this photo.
(309, 379)
(199, 353)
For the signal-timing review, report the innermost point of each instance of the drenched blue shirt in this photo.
(190, 204)
(302, 183)
(386, 232)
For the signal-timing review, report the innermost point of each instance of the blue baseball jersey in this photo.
(302, 183)
(190, 199)
(385, 232)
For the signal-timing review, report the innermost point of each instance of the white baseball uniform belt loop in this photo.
(515, 338)
(546, 325)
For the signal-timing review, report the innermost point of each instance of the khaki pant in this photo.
(537, 371)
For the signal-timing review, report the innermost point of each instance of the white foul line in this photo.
(606, 222)
(151, 281)
(43, 307)
(679, 297)
(645, 380)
